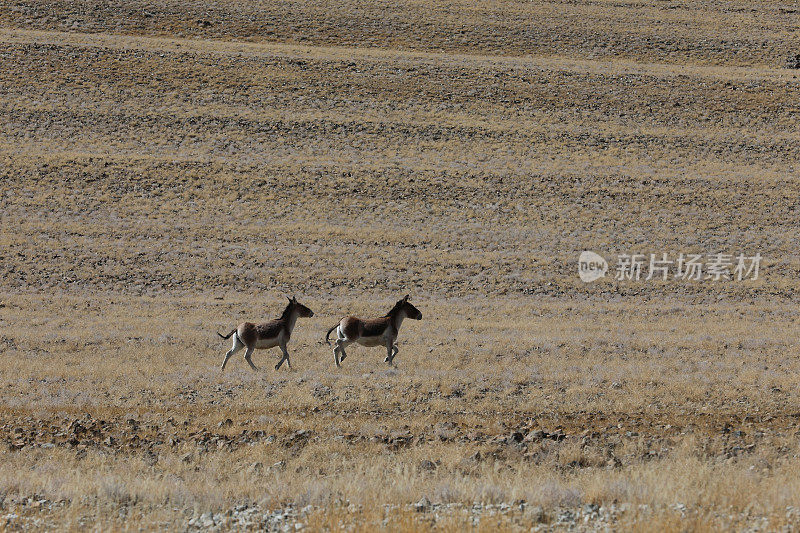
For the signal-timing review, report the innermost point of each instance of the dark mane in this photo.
(287, 311)
(395, 309)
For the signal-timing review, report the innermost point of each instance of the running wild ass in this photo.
(268, 335)
(372, 332)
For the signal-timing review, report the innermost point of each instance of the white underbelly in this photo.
(268, 343)
(378, 340)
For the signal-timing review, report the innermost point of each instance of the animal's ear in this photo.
(406, 298)
(288, 298)
(294, 299)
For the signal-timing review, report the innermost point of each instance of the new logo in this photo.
(591, 266)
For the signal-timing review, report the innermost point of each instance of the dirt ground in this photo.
(170, 169)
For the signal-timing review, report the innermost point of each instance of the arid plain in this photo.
(170, 169)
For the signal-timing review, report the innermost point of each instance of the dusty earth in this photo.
(170, 169)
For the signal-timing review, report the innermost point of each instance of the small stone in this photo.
(468, 463)
(427, 466)
(535, 436)
(590, 508)
(423, 505)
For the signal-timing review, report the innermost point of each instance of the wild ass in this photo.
(268, 335)
(372, 332)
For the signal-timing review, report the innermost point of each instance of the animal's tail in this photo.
(329, 333)
(228, 336)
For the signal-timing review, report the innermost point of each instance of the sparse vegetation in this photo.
(170, 169)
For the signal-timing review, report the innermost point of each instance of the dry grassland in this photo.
(170, 169)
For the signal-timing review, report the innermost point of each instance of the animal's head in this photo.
(409, 309)
(301, 309)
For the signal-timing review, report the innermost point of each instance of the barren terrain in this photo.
(170, 169)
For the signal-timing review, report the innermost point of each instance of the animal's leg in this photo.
(340, 344)
(247, 355)
(284, 358)
(392, 353)
(237, 345)
(389, 349)
(336, 354)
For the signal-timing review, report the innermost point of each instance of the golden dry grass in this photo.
(169, 170)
